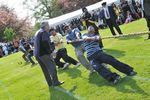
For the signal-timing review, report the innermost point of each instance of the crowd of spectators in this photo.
(126, 12)
(7, 48)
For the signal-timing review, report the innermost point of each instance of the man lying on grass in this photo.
(96, 57)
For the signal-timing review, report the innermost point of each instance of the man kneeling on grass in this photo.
(96, 57)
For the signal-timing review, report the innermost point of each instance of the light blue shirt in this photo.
(72, 36)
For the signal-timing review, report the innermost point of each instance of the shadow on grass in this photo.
(115, 53)
(72, 72)
(98, 80)
(59, 93)
(127, 84)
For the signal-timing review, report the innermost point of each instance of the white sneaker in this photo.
(66, 65)
(78, 64)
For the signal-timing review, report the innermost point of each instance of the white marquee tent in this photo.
(67, 17)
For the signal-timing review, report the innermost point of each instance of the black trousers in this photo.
(62, 53)
(112, 23)
(30, 55)
(100, 57)
(148, 24)
(24, 56)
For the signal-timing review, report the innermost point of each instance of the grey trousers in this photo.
(80, 56)
(49, 69)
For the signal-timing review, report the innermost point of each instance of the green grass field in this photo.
(23, 82)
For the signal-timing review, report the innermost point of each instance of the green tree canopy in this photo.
(9, 34)
(9, 19)
(43, 9)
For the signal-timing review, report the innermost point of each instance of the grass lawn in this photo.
(23, 82)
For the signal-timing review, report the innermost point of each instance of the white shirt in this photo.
(142, 4)
(131, 6)
(106, 12)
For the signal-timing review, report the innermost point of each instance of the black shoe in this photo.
(50, 85)
(59, 83)
(121, 34)
(114, 34)
(133, 73)
(117, 79)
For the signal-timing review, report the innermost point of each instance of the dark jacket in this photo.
(28, 48)
(87, 16)
(43, 45)
(112, 13)
(147, 8)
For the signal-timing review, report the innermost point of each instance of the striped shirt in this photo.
(90, 46)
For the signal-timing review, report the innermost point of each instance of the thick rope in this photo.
(119, 36)
(127, 35)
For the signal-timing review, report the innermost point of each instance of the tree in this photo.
(8, 18)
(9, 34)
(72, 5)
(46, 9)
(43, 9)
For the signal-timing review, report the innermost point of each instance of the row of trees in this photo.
(71, 5)
(43, 8)
(53, 8)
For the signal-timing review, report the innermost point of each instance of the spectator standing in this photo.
(125, 7)
(42, 52)
(109, 15)
(89, 22)
(147, 14)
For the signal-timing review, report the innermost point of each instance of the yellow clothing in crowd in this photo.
(84, 23)
(117, 10)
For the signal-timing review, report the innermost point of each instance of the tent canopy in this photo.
(75, 14)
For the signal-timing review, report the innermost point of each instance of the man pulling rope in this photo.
(96, 57)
